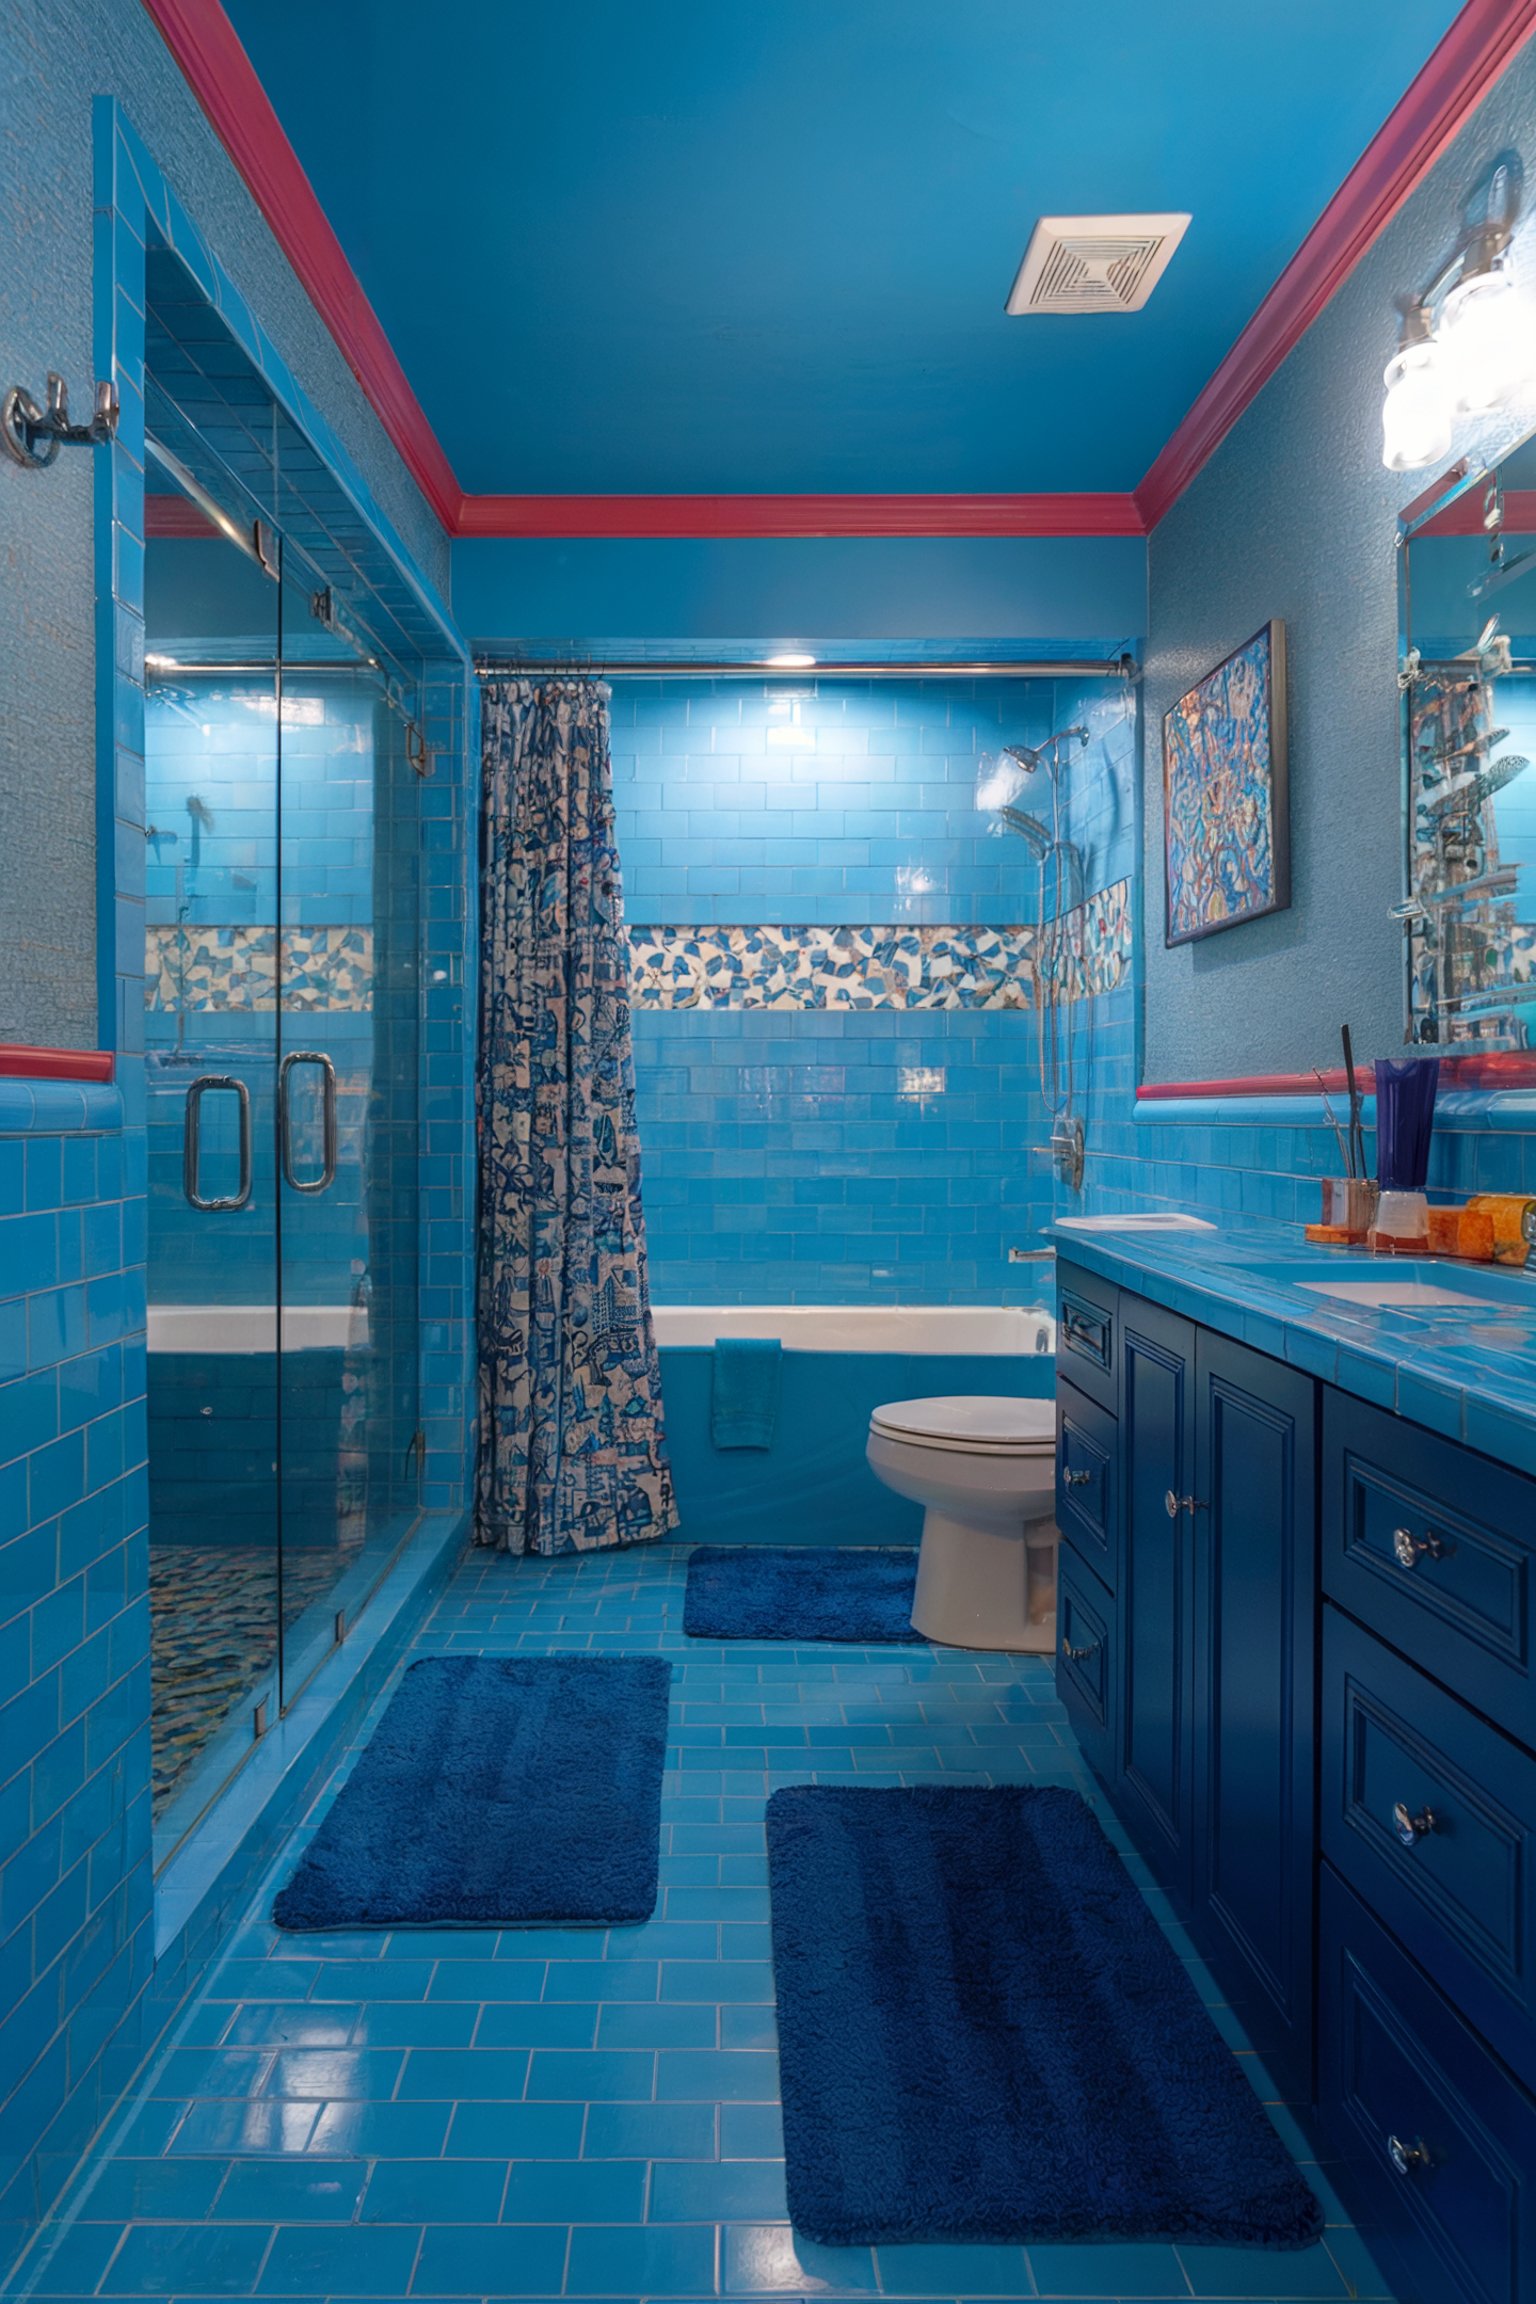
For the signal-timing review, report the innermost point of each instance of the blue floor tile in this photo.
(558, 2114)
(490, 2260)
(644, 2260)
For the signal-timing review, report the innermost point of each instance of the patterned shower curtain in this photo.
(572, 1452)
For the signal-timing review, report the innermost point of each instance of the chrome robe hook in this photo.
(34, 435)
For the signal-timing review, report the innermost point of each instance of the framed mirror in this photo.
(1467, 603)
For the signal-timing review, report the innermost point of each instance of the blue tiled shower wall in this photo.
(849, 1155)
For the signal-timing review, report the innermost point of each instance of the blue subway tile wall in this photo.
(882, 1154)
(75, 1897)
(82, 1996)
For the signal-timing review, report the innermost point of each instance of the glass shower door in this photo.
(348, 1144)
(210, 1022)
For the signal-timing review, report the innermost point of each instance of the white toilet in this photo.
(985, 1471)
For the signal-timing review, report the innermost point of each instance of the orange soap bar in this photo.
(1476, 1235)
(1332, 1235)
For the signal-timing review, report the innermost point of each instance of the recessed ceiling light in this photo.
(1094, 263)
(789, 663)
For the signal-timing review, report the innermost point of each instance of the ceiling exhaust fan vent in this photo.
(1094, 263)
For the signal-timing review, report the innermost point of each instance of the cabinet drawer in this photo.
(1086, 1664)
(1087, 1461)
(1085, 1333)
(1431, 1814)
(1440, 2141)
(1433, 1547)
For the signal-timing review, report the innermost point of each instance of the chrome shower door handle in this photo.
(327, 1175)
(192, 1143)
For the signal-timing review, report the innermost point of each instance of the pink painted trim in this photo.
(1499, 1069)
(1482, 42)
(22, 1063)
(176, 517)
(1064, 515)
(1254, 1084)
(1465, 516)
(222, 78)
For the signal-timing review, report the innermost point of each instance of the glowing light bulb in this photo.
(789, 662)
(1416, 414)
(1486, 331)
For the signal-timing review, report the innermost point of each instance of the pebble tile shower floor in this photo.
(564, 2113)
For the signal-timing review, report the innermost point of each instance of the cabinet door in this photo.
(1154, 1789)
(1255, 1536)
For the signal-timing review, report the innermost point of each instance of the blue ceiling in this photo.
(698, 245)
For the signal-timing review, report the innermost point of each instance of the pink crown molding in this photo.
(1481, 43)
(223, 79)
(1063, 515)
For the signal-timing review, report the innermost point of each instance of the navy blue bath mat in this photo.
(984, 2035)
(800, 1592)
(497, 1792)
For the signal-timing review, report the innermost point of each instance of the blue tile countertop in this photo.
(1466, 1370)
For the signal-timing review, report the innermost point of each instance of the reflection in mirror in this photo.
(1468, 604)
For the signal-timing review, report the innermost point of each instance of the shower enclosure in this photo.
(282, 979)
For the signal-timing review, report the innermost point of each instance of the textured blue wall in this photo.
(58, 55)
(1294, 517)
(874, 588)
(878, 1155)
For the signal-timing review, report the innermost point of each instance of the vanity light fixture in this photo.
(1480, 326)
(1467, 342)
(1416, 414)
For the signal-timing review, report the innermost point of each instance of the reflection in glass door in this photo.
(282, 1003)
(211, 777)
(348, 1004)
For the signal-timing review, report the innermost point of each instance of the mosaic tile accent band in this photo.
(1087, 951)
(227, 967)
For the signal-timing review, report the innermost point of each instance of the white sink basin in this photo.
(1151, 1221)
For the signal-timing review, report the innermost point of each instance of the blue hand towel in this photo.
(744, 1394)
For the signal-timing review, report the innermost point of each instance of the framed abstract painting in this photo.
(1226, 805)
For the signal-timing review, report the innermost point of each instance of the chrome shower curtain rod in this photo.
(1064, 668)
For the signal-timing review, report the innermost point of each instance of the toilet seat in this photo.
(970, 1425)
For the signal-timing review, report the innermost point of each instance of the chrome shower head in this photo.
(1029, 828)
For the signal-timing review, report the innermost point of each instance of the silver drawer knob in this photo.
(1408, 1550)
(1174, 1504)
(1079, 1655)
(1406, 2157)
(1410, 1828)
(1076, 1479)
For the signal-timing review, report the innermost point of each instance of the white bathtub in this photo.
(221, 1328)
(933, 1328)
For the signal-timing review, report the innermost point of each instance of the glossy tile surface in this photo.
(561, 2113)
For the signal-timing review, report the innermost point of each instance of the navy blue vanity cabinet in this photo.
(1437, 2141)
(1088, 1481)
(1087, 1310)
(1154, 1773)
(1254, 1526)
(1088, 1660)
(1189, 1569)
